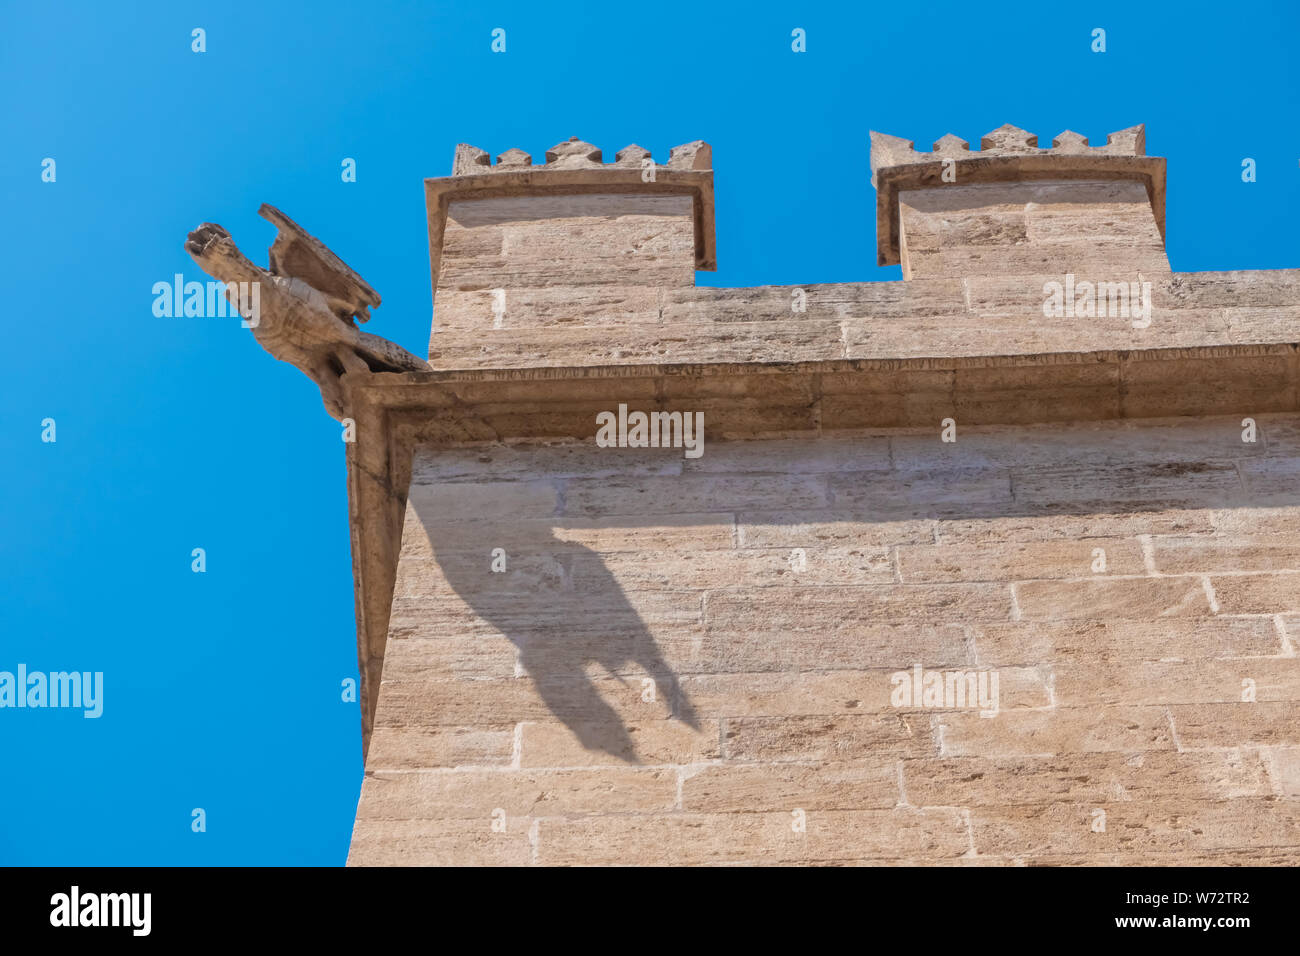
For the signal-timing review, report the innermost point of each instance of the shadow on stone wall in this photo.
(561, 626)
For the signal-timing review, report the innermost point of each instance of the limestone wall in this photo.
(681, 653)
(621, 250)
(991, 315)
(1025, 228)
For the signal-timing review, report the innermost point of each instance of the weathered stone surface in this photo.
(412, 656)
(1077, 777)
(1163, 486)
(1093, 527)
(1261, 856)
(772, 687)
(570, 534)
(795, 457)
(452, 842)
(1095, 640)
(471, 702)
(623, 496)
(400, 748)
(875, 300)
(1031, 228)
(640, 343)
(925, 494)
(1257, 593)
(461, 314)
(1177, 825)
(1223, 553)
(1283, 765)
(709, 838)
(767, 694)
(1262, 289)
(1182, 682)
(1132, 598)
(1103, 444)
(842, 608)
(1059, 730)
(1263, 724)
(532, 499)
(474, 795)
(811, 528)
(866, 784)
(826, 739)
(1019, 561)
(725, 647)
(648, 742)
(567, 241)
(767, 567)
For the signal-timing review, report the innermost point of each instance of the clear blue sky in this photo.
(222, 690)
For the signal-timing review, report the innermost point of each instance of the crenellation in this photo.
(470, 160)
(697, 155)
(1005, 141)
(1008, 139)
(632, 155)
(514, 157)
(574, 154)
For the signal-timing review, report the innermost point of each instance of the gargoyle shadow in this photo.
(563, 616)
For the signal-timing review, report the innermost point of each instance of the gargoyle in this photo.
(308, 303)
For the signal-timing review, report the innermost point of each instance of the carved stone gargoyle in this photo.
(309, 301)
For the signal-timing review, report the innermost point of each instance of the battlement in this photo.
(575, 154)
(1006, 140)
(1011, 157)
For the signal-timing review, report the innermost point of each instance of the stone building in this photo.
(996, 564)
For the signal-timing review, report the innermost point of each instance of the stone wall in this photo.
(681, 654)
(1026, 228)
(621, 250)
(937, 318)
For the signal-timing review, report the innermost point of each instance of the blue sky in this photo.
(222, 689)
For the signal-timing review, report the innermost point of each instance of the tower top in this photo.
(1007, 155)
(576, 167)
